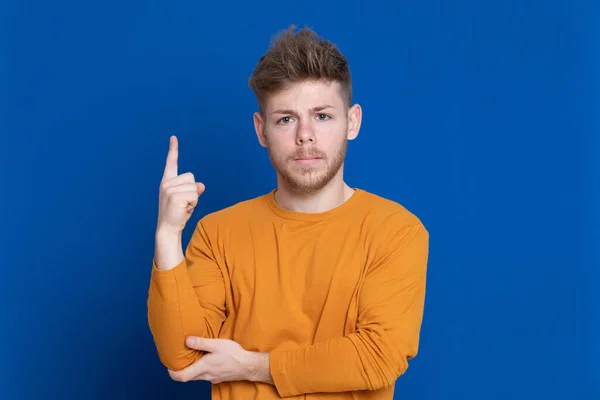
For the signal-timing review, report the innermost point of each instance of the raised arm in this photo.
(391, 305)
(186, 296)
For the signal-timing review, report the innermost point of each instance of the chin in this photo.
(303, 183)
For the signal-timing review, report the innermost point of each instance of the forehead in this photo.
(305, 95)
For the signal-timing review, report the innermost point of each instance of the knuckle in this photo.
(166, 185)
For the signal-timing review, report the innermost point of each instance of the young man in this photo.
(313, 290)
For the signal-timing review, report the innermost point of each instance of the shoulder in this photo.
(398, 236)
(388, 214)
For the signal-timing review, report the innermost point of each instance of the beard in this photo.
(308, 179)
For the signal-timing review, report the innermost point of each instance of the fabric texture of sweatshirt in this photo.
(335, 297)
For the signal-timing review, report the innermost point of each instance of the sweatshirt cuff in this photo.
(170, 276)
(279, 374)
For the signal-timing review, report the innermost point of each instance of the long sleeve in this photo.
(186, 300)
(390, 311)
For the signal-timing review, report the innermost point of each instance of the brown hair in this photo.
(295, 57)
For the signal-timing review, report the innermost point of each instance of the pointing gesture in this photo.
(172, 156)
(178, 194)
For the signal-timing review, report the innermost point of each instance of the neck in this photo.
(334, 194)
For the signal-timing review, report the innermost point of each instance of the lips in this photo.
(307, 156)
(307, 160)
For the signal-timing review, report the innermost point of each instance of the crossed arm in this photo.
(374, 356)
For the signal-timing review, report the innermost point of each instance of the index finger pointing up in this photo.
(171, 164)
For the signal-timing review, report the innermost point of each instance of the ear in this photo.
(259, 127)
(354, 121)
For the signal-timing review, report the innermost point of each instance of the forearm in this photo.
(359, 361)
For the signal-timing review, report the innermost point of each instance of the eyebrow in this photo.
(315, 109)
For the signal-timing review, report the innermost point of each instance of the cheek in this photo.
(282, 135)
(331, 139)
(277, 146)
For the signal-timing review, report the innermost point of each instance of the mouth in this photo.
(307, 160)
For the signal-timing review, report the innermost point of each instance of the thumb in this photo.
(198, 343)
(200, 187)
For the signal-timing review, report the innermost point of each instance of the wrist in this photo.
(168, 251)
(258, 369)
(167, 234)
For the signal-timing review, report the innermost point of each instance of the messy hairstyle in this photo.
(299, 56)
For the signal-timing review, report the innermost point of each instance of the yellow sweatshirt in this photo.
(336, 297)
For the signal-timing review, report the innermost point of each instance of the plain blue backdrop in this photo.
(480, 117)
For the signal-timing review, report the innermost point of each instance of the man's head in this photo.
(303, 88)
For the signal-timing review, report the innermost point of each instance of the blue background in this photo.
(480, 117)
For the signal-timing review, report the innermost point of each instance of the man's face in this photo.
(306, 128)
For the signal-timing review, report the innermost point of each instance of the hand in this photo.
(178, 194)
(224, 361)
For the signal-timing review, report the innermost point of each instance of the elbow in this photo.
(394, 366)
(384, 362)
(178, 360)
(172, 350)
(387, 373)
(170, 346)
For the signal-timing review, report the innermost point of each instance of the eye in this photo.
(323, 117)
(284, 120)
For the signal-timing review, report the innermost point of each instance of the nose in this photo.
(305, 134)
